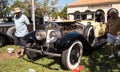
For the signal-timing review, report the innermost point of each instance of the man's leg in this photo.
(22, 51)
(16, 40)
(118, 44)
(111, 48)
(22, 46)
(110, 41)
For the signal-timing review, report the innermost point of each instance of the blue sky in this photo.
(63, 3)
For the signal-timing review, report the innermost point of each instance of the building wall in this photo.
(72, 10)
(117, 6)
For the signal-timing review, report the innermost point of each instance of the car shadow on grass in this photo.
(96, 61)
(55, 60)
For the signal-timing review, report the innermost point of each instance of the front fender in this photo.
(29, 36)
(68, 39)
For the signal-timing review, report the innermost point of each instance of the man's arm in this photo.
(107, 28)
(29, 25)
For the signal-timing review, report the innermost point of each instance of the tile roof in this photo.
(91, 2)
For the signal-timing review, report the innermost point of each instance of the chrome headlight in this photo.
(40, 35)
(54, 35)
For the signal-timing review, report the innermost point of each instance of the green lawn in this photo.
(94, 62)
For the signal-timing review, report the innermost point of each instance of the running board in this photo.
(99, 43)
(44, 52)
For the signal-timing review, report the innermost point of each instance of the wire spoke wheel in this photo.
(71, 57)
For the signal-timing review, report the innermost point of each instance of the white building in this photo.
(75, 8)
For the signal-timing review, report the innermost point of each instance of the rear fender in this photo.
(7, 37)
(68, 39)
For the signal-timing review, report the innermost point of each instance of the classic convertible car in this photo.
(63, 39)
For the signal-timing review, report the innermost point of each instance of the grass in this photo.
(94, 62)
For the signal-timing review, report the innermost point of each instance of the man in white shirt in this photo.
(21, 22)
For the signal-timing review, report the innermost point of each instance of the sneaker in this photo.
(119, 53)
(111, 56)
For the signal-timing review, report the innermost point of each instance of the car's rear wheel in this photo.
(71, 57)
(2, 41)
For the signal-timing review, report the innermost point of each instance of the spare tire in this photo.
(89, 34)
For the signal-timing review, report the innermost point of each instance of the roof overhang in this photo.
(81, 3)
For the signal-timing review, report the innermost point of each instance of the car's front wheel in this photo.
(71, 57)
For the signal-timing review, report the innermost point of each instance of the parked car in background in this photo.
(7, 29)
(96, 19)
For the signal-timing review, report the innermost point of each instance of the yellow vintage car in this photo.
(96, 21)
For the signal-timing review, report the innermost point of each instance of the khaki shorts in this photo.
(112, 39)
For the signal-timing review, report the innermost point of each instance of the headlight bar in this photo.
(53, 35)
(40, 34)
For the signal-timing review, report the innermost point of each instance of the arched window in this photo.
(88, 11)
(100, 16)
(87, 15)
(108, 16)
(76, 15)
